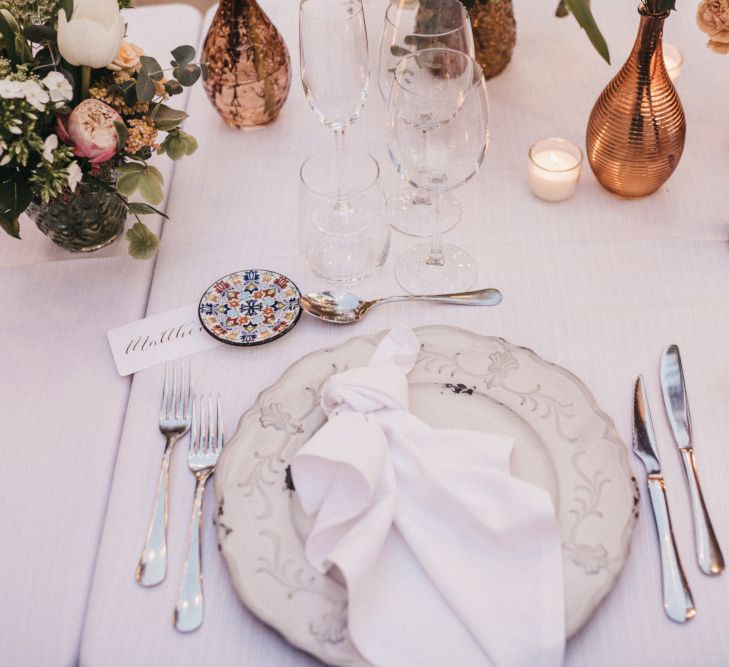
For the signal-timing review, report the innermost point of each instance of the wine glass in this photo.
(414, 25)
(334, 55)
(437, 136)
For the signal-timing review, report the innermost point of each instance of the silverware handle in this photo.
(677, 600)
(708, 552)
(152, 566)
(189, 610)
(483, 297)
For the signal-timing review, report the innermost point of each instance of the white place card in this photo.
(154, 340)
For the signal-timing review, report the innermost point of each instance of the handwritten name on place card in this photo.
(154, 340)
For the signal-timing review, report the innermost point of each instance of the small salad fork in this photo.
(174, 421)
(206, 443)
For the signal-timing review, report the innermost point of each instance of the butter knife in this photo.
(677, 601)
(673, 385)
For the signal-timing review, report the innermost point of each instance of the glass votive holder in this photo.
(554, 169)
(342, 232)
(673, 59)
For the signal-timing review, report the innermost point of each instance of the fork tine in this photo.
(202, 445)
(165, 391)
(194, 439)
(219, 442)
(188, 403)
(173, 393)
(211, 426)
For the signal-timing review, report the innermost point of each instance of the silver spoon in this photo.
(345, 308)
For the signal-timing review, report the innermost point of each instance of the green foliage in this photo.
(178, 144)
(143, 243)
(580, 9)
(167, 119)
(145, 178)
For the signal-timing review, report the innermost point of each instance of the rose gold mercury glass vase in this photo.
(637, 127)
(250, 70)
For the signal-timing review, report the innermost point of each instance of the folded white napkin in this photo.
(448, 559)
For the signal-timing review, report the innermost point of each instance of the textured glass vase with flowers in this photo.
(81, 114)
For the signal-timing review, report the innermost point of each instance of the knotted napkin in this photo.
(447, 558)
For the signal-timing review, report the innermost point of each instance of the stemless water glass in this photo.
(334, 67)
(341, 230)
(414, 25)
(437, 135)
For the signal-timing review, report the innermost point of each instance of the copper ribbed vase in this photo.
(637, 127)
(250, 69)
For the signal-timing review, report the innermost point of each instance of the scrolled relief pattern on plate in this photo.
(331, 626)
(586, 504)
(500, 379)
(271, 464)
(270, 470)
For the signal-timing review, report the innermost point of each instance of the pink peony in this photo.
(90, 131)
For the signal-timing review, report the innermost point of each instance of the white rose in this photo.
(93, 34)
(35, 94)
(74, 175)
(49, 145)
(59, 87)
(10, 90)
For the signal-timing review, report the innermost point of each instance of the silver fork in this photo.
(206, 443)
(174, 421)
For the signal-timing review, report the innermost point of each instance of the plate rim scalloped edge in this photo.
(610, 431)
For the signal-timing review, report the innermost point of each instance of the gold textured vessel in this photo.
(494, 34)
(249, 65)
(637, 128)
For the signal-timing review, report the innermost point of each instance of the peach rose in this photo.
(90, 131)
(127, 60)
(712, 17)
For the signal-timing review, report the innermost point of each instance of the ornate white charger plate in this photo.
(563, 442)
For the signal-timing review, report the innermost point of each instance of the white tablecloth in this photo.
(596, 284)
(62, 407)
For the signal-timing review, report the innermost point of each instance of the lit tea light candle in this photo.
(554, 169)
(673, 59)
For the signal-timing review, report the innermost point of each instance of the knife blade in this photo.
(673, 385)
(677, 600)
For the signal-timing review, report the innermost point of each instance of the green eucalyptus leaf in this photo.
(121, 133)
(151, 68)
(144, 87)
(580, 9)
(173, 87)
(166, 118)
(139, 208)
(10, 225)
(151, 185)
(143, 243)
(187, 75)
(205, 71)
(183, 55)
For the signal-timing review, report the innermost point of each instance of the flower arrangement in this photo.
(79, 104)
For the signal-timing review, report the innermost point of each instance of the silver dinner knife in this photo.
(673, 385)
(677, 600)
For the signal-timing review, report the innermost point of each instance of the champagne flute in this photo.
(334, 61)
(437, 136)
(414, 25)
